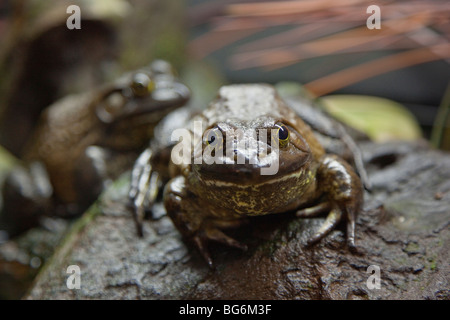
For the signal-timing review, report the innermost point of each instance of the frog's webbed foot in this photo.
(144, 188)
(343, 190)
(333, 218)
(210, 232)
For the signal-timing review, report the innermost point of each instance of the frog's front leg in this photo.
(145, 184)
(192, 220)
(343, 197)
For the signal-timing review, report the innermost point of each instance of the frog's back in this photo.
(61, 127)
(62, 135)
(243, 102)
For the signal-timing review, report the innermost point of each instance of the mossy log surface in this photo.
(403, 229)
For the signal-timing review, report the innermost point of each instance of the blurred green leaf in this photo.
(381, 119)
(440, 137)
(204, 80)
(7, 160)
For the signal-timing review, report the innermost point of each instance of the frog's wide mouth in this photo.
(249, 157)
(165, 97)
(276, 165)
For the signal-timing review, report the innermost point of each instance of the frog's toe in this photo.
(313, 211)
(211, 233)
(351, 225)
(138, 216)
(217, 235)
(333, 218)
(201, 243)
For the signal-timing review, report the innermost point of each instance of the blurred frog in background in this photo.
(84, 141)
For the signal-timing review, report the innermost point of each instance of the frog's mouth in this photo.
(165, 98)
(274, 165)
(133, 125)
(122, 109)
(250, 156)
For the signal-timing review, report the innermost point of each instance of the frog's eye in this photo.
(282, 135)
(213, 137)
(142, 84)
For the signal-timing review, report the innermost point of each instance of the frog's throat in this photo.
(302, 173)
(273, 195)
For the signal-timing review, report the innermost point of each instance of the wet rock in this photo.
(403, 231)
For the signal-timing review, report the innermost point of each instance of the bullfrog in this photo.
(84, 141)
(249, 153)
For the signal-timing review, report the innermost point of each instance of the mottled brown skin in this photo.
(202, 199)
(87, 139)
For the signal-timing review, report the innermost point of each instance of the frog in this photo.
(84, 141)
(226, 176)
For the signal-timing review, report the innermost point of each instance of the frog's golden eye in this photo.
(282, 135)
(213, 137)
(142, 84)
